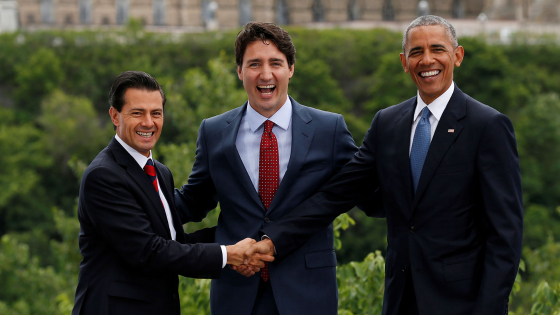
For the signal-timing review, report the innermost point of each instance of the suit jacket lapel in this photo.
(442, 140)
(167, 192)
(137, 174)
(403, 125)
(302, 134)
(229, 136)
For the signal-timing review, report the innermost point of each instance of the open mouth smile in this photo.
(145, 134)
(266, 89)
(429, 74)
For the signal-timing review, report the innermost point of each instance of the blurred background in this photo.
(58, 59)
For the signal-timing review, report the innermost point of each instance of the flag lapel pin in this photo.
(451, 130)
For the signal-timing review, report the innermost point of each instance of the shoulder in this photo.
(224, 118)
(307, 113)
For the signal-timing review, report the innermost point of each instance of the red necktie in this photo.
(150, 170)
(269, 174)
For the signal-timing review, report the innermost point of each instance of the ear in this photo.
(292, 68)
(114, 116)
(404, 63)
(459, 55)
(240, 73)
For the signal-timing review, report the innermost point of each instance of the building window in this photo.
(159, 12)
(85, 11)
(208, 12)
(457, 11)
(30, 19)
(245, 12)
(353, 10)
(122, 11)
(47, 11)
(318, 11)
(105, 20)
(69, 19)
(388, 11)
(282, 12)
(423, 8)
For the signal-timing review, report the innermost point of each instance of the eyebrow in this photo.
(420, 48)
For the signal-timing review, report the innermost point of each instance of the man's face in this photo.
(265, 74)
(430, 58)
(140, 120)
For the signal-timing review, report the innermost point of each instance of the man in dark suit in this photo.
(131, 239)
(447, 169)
(259, 161)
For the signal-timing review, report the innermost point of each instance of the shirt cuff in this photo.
(224, 255)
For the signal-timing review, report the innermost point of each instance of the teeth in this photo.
(271, 86)
(144, 134)
(429, 73)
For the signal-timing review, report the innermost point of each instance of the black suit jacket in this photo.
(460, 234)
(130, 264)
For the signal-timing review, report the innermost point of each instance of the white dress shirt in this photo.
(142, 160)
(436, 108)
(249, 136)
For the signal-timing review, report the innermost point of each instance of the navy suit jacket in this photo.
(459, 234)
(305, 281)
(130, 264)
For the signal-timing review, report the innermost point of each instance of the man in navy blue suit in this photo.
(447, 170)
(259, 161)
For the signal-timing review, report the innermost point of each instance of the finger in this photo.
(267, 258)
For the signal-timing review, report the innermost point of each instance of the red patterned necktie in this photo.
(150, 170)
(269, 174)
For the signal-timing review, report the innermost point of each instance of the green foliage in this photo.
(361, 285)
(547, 299)
(36, 78)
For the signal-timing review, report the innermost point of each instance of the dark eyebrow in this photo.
(437, 46)
(414, 49)
(137, 110)
(254, 60)
(277, 59)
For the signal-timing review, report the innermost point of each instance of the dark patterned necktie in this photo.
(269, 174)
(150, 170)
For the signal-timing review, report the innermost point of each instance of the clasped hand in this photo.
(248, 256)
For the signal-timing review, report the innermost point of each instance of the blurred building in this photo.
(232, 13)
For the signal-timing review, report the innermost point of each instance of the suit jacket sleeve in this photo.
(195, 199)
(114, 211)
(500, 189)
(345, 190)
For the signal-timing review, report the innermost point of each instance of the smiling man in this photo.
(447, 169)
(259, 161)
(131, 239)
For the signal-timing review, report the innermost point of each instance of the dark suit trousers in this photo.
(408, 305)
(265, 303)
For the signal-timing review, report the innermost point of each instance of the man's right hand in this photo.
(237, 255)
(257, 251)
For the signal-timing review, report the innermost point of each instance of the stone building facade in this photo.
(233, 13)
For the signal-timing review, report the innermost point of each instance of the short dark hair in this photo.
(265, 32)
(132, 80)
(432, 20)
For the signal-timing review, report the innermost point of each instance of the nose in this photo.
(266, 73)
(147, 121)
(427, 58)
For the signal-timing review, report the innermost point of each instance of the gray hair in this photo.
(431, 20)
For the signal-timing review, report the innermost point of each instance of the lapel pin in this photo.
(451, 130)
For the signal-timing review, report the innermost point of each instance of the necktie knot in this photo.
(268, 126)
(426, 112)
(150, 170)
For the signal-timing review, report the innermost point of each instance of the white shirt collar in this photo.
(138, 157)
(437, 106)
(281, 118)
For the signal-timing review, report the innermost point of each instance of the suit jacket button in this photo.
(412, 230)
(266, 220)
(404, 269)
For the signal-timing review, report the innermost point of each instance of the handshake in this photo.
(249, 256)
